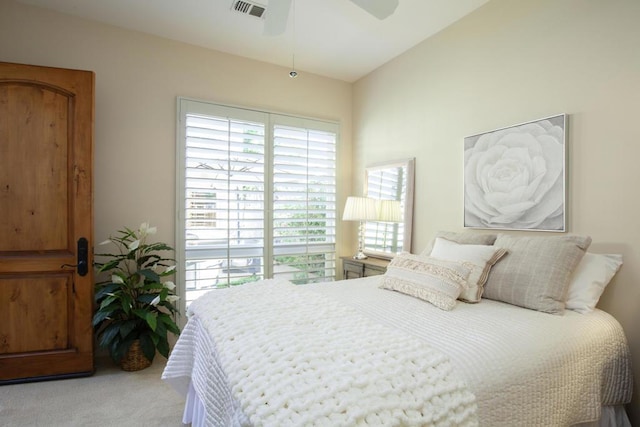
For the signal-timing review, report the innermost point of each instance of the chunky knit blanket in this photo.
(294, 357)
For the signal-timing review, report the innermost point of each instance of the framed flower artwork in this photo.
(515, 177)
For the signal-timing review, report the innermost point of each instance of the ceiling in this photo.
(332, 38)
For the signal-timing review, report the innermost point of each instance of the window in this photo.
(256, 197)
(304, 204)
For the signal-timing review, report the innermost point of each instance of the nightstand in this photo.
(356, 268)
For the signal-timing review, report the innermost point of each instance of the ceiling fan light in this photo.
(381, 9)
(275, 22)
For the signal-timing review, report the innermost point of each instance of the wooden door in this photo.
(46, 157)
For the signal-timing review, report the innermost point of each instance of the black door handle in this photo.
(82, 257)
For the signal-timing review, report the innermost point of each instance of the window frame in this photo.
(270, 120)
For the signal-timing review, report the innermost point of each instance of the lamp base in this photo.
(360, 255)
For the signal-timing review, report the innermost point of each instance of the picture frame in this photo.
(515, 177)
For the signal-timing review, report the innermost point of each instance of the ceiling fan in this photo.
(278, 12)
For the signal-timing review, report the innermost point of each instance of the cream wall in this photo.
(138, 78)
(507, 63)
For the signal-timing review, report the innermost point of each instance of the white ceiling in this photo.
(333, 38)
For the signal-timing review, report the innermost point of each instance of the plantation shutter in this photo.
(304, 201)
(224, 168)
(256, 197)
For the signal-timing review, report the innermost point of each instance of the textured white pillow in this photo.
(434, 280)
(591, 276)
(478, 258)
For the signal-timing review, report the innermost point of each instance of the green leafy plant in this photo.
(135, 302)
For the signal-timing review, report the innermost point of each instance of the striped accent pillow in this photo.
(437, 281)
(536, 272)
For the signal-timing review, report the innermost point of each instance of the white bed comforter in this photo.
(524, 367)
(294, 357)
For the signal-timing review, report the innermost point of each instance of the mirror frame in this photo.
(409, 164)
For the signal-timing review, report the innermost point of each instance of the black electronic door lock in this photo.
(82, 255)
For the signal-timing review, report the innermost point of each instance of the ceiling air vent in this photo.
(249, 8)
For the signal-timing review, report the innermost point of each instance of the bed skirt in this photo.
(194, 410)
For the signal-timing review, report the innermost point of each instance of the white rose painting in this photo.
(514, 178)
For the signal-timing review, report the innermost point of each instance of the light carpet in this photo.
(111, 397)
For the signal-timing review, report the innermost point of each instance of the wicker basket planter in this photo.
(135, 359)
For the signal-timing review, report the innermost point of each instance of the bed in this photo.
(364, 352)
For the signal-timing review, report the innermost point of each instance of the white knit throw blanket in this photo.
(295, 357)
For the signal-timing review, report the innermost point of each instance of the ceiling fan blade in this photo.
(381, 9)
(275, 22)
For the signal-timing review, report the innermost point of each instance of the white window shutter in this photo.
(258, 197)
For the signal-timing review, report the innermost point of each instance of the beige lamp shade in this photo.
(389, 211)
(360, 209)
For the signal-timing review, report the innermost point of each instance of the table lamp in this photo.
(360, 209)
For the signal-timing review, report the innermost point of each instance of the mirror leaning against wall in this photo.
(392, 180)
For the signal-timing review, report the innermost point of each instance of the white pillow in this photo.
(434, 280)
(464, 238)
(478, 258)
(591, 276)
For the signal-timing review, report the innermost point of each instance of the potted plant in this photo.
(135, 304)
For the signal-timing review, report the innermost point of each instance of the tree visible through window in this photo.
(257, 193)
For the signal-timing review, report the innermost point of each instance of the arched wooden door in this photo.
(46, 210)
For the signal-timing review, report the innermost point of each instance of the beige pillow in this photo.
(478, 258)
(464, 238)
(439, 282)
(536, 271)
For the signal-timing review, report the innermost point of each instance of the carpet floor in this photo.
(109, 398)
